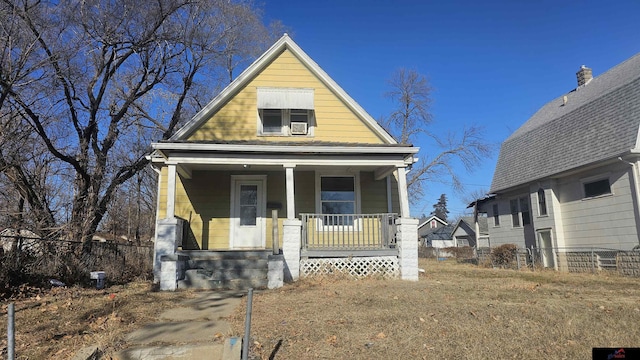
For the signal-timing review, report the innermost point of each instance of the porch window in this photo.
(338, 197)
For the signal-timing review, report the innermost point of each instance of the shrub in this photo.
(504, 255)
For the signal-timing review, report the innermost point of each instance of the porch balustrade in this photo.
(333, 234)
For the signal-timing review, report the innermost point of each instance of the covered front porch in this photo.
(307, 202)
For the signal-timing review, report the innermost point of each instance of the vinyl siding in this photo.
(606, 221)
(505, 233)
(238, 119)
(305, 192)
(373, 194)
(162, 195)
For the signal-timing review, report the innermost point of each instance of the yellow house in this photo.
(285, 142)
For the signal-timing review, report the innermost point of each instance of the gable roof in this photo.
(284, 43)
(599, 121)
(483, 225)
(432, 217)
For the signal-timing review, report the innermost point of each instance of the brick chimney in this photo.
(584, 75)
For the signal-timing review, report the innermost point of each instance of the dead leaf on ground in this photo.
(381, 335)
(332, 340)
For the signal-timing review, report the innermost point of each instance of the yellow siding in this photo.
(373, 194)
(305, 192)
(238, 118)
(204, 201)
(162, 196)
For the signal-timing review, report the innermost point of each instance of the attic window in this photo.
(285, 111)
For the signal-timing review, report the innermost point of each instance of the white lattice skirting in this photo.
(356, 267)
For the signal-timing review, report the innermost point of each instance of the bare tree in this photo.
(410, 93)
(85, 78)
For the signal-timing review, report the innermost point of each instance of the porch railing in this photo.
(348, 232)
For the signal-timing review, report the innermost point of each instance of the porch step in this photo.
(225, 269)
(225, 255)
(196, 280)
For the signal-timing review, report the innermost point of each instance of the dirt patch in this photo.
(61, 321)
(453, 311)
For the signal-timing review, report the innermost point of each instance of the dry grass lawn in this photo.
(453, 311)
(57, 323)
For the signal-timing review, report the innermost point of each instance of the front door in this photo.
(248, 214)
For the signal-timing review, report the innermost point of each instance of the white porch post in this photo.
(291, 241)
(292, 231)
(407, 236)
(402, 191)
(291, 203)
(171, 191)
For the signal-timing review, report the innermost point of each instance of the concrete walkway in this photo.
(197, 330)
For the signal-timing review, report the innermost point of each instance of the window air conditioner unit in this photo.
(298, 128)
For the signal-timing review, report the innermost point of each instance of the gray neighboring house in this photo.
(435, 232)
(464, 232)
(569, 176)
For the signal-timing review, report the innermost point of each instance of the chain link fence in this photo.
(567, 259)
(36, 261)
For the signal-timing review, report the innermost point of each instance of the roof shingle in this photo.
(599, 121)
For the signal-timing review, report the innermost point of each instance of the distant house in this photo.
(435, 232)
(569, 176)
(464, 232)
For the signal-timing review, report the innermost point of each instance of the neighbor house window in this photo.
(496, 215)
(515, 218)
(524, 210)
(337, 197)
(520, 213)
(433, 224)
(542, 202)
(597, 188)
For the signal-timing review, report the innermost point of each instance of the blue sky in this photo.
(491, 63)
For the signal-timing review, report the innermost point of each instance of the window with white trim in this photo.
(515, 217)
(520, 213)
(285, 122)
(542, 202)
(496, 215)
(524, 211)
(286, 112)
(337, 198)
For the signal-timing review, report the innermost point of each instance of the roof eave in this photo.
(330, 149)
